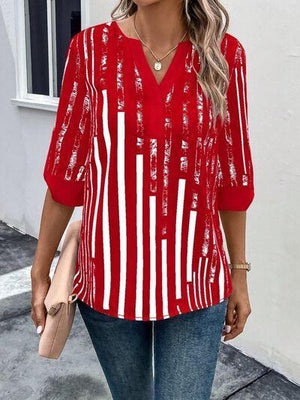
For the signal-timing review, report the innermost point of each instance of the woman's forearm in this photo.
(234, 226)
(54, 219)
(238, 309)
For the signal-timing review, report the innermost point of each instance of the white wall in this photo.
(270, 33)
(100, 10)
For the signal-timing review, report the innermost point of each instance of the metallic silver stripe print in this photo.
(240, 118)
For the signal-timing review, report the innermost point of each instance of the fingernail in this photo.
(39, 329)
(227, 328)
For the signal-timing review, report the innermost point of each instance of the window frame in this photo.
(23, 98)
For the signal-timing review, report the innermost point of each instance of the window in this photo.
(46, 45)
(47, 26)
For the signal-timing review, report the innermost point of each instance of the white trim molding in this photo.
(45, 103)
(85, 14)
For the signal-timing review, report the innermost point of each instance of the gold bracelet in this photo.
(246, 266)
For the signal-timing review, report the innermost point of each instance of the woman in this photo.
(151, 137)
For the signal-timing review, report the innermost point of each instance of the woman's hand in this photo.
(40, 286)
(55, 218)
(238, 309)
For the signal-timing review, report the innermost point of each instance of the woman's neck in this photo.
(161, 24)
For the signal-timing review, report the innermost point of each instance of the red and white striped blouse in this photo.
(151, 172)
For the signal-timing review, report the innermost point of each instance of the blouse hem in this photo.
(132, 318)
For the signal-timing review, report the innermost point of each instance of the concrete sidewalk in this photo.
(77, 374)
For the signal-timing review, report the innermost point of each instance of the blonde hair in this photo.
(206, 30)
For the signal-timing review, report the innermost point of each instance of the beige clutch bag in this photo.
(60, 302)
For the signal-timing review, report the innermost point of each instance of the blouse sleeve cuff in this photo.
(65, 192)
(235, 198)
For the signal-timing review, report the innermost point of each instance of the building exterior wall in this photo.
(270, 33)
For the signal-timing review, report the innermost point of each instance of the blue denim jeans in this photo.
(184, 350)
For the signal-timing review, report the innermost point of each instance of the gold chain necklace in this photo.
(157, 65)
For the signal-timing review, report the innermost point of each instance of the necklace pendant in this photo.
(157, 66)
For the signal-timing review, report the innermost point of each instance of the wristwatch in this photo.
(246, 266)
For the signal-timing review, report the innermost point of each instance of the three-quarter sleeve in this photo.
(236, 180)
(64, 169)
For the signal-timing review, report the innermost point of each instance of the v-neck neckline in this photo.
(175, 68)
